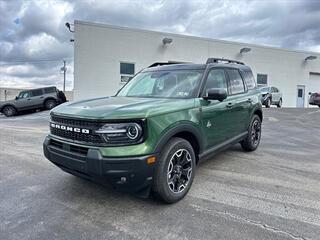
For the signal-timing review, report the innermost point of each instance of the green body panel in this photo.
(214, 121)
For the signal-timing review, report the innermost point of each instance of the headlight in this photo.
(121, 133)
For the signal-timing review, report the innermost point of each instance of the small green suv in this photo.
(150, 136)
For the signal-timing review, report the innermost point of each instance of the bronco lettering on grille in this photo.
(70, 129)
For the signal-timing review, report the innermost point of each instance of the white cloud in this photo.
(40, 34)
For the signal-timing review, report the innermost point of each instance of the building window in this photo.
(126, 71)
(262, 79)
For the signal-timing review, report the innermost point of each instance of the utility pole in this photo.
(64, 75)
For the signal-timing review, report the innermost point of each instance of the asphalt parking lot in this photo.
(273, 193)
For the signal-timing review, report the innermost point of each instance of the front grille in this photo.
(76, 122)
(88, 138)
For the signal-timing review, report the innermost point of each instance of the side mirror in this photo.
(16, 97)
(219, 94)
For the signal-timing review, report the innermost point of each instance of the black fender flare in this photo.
(258, 109)
(184, 127)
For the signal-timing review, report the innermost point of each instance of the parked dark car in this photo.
(47, 98)
(271, 96)
(315, 99)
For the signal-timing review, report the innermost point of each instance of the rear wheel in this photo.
(175, 171)
(279, 103)
(251, 142)
(49, 104)
(9, 111)
(268, 103)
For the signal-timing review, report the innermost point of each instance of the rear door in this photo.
(275, 95)
(37, 97)
(239, 103)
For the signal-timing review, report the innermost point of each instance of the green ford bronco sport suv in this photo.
(151, 135)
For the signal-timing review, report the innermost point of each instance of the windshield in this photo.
(163, 84)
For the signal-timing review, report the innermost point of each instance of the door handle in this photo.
(249, 100)
(229, 105)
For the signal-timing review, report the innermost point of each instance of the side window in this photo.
(249, 79)
(23, 95)
(236, 82)
(36, 92)
(216, 79)
(49, 90)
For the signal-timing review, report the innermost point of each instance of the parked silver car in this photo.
(271, 96)
(47, 97)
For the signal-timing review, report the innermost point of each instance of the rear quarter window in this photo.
(49, 90)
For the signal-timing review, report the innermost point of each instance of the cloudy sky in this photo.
(34, 41)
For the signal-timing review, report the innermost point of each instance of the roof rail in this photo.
(165, 63)
(217, 60)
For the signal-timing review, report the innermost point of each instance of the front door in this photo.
(215, 115)
(300, 96)
(24, 100)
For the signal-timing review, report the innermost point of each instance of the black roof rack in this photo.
(156, 64)
(217, 60)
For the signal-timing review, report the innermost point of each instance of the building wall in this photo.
(11, 93)
(99, 49)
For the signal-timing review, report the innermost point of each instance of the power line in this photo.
(35, 61)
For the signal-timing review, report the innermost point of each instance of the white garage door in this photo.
(314, 82)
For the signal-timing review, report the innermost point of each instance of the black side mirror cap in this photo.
(219, 94)
(16, 97)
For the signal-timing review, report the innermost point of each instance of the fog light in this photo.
(151, 160)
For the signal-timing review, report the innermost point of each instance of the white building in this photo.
(106, 55)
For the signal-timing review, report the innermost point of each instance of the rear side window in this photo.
(49, 90)
(249, 79)
(236, 82)
(36, 92)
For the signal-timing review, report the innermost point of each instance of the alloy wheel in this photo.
(255, 132)
(179, 171)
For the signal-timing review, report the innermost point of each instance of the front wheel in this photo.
(252, 141)
(9, 111)
(175, 171)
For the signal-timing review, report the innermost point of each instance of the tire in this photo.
(175, 171)
(49, 104)
(268, 103)
(279, 105)
(9, 111)
(319, 106)
(252, 141)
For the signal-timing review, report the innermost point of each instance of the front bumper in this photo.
(264, 98)
(130, 174)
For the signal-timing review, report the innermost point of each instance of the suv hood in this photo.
(122, 107)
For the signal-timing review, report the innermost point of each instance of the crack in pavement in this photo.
(256, 223)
